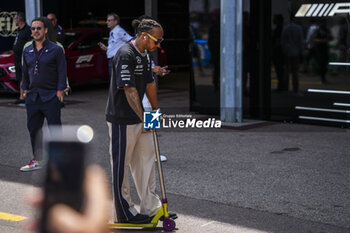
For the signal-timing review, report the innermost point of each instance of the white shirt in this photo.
(117, 38)
(145, 102)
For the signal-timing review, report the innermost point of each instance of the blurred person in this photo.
(44, 82)
(195, 34)
(310, 43)
(292, 45)
(214, 47)
(58, 29)
(22, 36)
(245, 52)
(131, 147)
(63, 218)
(341, 40)
(322, 38)
(117, 38)
(277, 52)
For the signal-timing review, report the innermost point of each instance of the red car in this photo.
(86, 62)
(7, 73)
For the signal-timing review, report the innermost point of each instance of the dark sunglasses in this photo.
(37, 28)
(156, 41)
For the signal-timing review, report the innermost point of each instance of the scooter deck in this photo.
(152, 224)
(132, 226)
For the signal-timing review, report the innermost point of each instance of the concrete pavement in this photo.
(268, 177)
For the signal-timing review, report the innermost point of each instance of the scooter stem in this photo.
(159, 165)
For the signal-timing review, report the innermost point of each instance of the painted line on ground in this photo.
(11, 217)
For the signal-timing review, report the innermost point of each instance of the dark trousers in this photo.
(37, 111)
(292, 66)
(18, 69)
(322, 58)
(110, 66)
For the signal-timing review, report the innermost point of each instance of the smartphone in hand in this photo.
(66, 150)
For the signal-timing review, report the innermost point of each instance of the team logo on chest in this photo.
(138, 60)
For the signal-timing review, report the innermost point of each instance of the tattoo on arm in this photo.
(134, 101)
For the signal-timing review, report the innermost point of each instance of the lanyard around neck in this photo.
(37, 59)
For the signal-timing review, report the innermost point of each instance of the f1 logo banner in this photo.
(7, 24)
(323, 9)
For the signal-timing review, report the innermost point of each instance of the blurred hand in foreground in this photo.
(96, 210)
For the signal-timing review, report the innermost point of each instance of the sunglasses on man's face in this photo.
(35, 28)
(156, 41)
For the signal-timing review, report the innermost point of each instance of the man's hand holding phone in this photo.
(161, 71)
(102, 46)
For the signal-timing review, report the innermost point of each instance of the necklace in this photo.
(143, 54)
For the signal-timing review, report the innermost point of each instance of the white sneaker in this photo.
(31, 166)
(163, 158)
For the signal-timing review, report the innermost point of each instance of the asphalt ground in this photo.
(255, 177)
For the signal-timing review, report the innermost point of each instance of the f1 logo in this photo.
(151, 120)
(85, 58)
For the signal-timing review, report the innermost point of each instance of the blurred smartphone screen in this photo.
(65, 170)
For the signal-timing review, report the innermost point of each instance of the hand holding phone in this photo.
(102, 46)
(96, 212)
(65, 148)
(63, 218)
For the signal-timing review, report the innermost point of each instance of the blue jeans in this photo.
(110, 65)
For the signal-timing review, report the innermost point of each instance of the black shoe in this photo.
(139, 219)
(172, 215)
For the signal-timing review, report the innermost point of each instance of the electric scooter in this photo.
(168, 223)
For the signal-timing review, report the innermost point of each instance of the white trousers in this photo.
(130, 148)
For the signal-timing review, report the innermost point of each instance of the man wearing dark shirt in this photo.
(58, 29)
(131, 146)
(292, 45)
(44, 80)
(23, 35)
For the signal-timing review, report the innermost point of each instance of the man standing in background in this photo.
(58, 29)
(22, 36)
(117, 38)
(292, 45)
(44, 81)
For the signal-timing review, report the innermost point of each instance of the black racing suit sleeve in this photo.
(124, 68)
